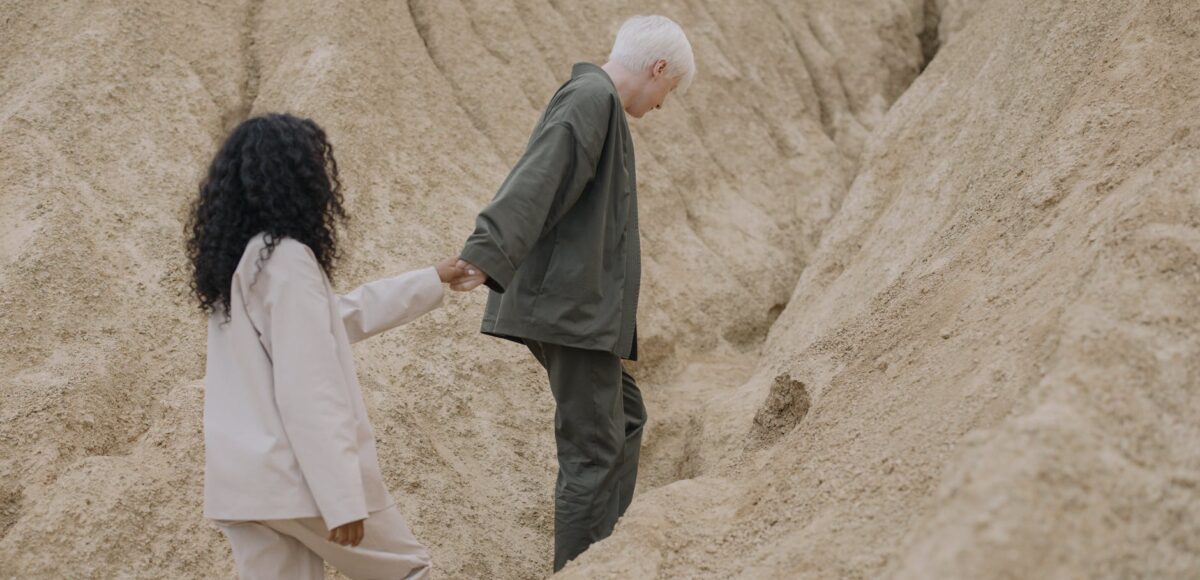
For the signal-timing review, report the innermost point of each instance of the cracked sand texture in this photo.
(1032, 199)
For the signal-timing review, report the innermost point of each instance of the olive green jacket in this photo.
(559, 242)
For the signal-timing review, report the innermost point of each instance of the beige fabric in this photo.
(275, 549)
(286, 432)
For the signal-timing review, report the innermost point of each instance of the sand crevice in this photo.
(422, 14)
(251, 66)
(930, 40)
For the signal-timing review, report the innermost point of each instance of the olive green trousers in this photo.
(598, 421)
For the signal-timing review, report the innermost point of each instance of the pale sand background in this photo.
(895, 323)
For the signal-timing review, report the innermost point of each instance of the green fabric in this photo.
(560, 242)
(598, 422)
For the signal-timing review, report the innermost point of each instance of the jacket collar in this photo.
(582, 68)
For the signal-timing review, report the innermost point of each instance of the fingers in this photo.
(467, 284)
(448, 270)
(463, 276)
(350, 534)
(468, 267)
(457, 282)
(450, 274)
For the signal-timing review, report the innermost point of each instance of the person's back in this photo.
(578, 282)
(261, 359)
(291, 472)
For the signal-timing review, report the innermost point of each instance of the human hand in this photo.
(449, 270)
(350, 534)
(471, 278)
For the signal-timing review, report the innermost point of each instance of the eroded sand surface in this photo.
(921, 280)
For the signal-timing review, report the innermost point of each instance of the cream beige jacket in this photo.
(286, 433)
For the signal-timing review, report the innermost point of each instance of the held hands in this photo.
(461, 275)
(350, 534)
(471, 279)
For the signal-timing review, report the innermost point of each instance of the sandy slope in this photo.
(998, 335)
(988, 366)
(109, 112)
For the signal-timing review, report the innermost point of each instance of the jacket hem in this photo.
(551, 337)
(251, 515)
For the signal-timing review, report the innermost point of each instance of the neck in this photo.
(623, 79)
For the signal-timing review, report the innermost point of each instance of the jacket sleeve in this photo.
(292, 298)
(385, 304)
(547, 180)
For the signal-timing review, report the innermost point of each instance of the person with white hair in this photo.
(559, 248)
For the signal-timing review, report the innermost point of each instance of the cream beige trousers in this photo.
(273, 549)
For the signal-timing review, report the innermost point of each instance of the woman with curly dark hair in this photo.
(291, 473)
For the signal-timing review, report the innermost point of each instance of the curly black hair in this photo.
(275, 174)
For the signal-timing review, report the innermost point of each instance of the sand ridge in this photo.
(974, 248)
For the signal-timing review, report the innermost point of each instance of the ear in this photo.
(659, 68)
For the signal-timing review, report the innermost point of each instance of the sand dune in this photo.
(920, 287)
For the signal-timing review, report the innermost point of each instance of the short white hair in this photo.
(645, 40)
